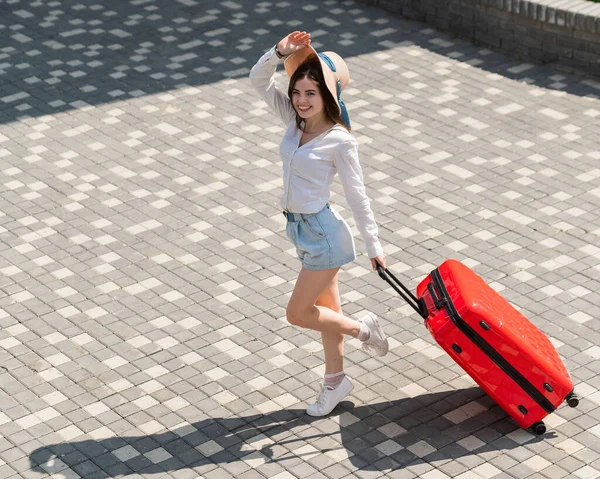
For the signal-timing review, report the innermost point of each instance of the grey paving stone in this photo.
(145, 317)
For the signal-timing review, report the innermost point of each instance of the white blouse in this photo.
(309, 170)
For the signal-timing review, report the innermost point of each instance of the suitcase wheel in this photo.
(573, 400)
(539, 428)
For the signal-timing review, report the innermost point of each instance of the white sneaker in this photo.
(329, 398)
(377, 341)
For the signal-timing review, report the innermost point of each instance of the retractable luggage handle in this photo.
(418, 304)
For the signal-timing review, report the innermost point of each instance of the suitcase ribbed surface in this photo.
(484, 302)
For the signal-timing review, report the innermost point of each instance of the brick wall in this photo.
(534, 31)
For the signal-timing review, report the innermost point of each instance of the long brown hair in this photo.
(311, 68)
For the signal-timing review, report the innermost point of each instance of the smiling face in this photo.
(310, 97)
(307, 99)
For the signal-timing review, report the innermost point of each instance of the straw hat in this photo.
(335, 72)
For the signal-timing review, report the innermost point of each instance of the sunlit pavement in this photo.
(144, 270)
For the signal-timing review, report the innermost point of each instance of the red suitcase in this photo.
(510, 359)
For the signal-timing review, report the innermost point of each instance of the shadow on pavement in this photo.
(382, 436)
(59, 56)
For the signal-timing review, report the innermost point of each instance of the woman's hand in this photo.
(293, 42)
(378, 260)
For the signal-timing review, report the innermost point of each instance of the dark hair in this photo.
(311, 68)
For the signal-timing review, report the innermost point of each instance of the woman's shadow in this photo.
(382, 436)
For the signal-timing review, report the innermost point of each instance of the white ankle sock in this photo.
(333, 380)
(364, 332)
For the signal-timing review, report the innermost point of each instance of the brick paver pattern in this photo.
(144, 269)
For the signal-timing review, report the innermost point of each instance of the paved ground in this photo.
(144, 270)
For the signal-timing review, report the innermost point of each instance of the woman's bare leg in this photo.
(315, 304)
(303, 311)
(333, 343)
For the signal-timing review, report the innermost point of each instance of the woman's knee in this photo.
(297, 315)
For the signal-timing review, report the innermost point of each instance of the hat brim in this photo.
(293, 61)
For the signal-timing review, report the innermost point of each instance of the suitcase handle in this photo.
(416, 303)
(438, 302)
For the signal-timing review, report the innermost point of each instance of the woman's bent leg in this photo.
(303, 311)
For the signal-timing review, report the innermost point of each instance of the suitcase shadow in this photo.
(382, 436)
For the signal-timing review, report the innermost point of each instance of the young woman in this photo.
(317, 145)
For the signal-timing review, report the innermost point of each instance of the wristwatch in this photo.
(277, 52)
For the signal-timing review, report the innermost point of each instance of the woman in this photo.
(318, 144)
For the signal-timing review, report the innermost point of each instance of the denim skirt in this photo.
(323, 240)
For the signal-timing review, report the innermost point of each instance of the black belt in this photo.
(300, 216)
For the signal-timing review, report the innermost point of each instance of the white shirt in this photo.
(309, 170)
